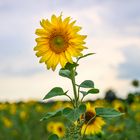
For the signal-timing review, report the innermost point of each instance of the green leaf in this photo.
(53, 137)
(53, 114)
(93, 91)
(74, 114)
(107, 112)
(82, 108)
(70, 66)
(57, 91)
(87, 84)
(65, 73)
(84, 93)
(85, 55)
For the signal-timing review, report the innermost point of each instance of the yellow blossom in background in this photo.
(13, 108)
(58, 41)
(135, 106)
(7, 122)
(116, 128)
(59, 129)
(118, 105)
(50, 126)
(95, 125)
(23, 115)
(137, 117)
(39, 109)
(100, 103)
(3, 106)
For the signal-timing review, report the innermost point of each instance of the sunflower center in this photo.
(58, 43)
(60, 129)
(88, 116)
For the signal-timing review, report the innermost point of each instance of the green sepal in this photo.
(107, 112)
(57, 91)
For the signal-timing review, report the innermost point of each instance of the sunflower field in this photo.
(21, 120)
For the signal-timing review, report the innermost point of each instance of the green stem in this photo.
(78, 92)
(87, 126)
(70, 100)
(74, 87)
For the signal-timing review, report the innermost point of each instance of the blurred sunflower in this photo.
(58, 41)
(7, 122)
(92, 126)
(50, 126)
(59, 129)
(119, 105)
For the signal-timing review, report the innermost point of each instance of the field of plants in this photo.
(21, 120)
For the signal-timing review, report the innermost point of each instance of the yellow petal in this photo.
(46, 56)
(66, 22)
(42, 48)
(49, 62)
(56, 61)
(72, 23)
(63, 60)
(41, 39)
(41, 32)
(76, 29)
(46, 24)
(54, 19)
(73, 51)
(68, 56)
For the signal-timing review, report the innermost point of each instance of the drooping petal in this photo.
(63, 60)
(68, 56)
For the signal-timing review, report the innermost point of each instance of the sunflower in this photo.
(50, 126)
(59, 129)
(7, 122)
(118, 105)
(91, 126)
(58, 41)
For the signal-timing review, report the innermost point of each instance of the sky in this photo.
(113, 30)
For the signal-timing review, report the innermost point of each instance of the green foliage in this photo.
(56, 113)
(87, 84)
(74, 114)
(65, 73)
(70, 66)
(107, 112)
(85, 56)
(68, 113)
(28, 127)
(57, 91)
(91, 91)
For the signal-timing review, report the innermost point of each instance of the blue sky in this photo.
(113, 29)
